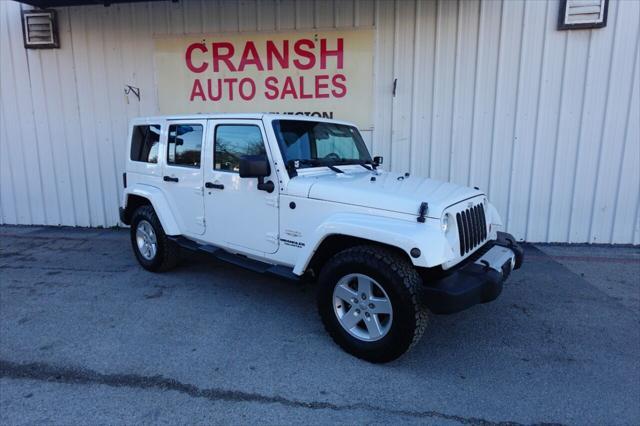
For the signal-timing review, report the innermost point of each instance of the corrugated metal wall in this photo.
(489, 94)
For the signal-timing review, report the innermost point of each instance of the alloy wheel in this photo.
(146, 240)
(362, 307)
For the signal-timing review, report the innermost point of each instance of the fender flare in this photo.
(402, 234)
(160, 205)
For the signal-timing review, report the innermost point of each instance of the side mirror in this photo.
(378, 160)
(257, 166)
(254, 166)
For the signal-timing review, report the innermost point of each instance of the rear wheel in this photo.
(369, 303)
(154, 251)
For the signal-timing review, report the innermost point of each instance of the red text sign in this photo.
(326, 73)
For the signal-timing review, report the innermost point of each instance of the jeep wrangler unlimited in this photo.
(301, 197)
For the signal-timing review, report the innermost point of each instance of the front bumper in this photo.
(479, 280)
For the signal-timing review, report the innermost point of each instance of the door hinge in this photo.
(272, 200)
(272, 237)
(200, 220)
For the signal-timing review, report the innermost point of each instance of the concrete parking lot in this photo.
(87, 336)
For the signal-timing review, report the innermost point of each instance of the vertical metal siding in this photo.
(489, 94)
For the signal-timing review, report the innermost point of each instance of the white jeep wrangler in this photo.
(302, 198)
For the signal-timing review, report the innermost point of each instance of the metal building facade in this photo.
(488, 93)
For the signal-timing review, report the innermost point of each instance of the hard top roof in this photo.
(237, 116)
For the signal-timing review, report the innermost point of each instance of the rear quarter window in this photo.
(144, 143)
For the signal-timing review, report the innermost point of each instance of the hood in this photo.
(389, 191)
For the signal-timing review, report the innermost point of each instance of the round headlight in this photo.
(444, 223)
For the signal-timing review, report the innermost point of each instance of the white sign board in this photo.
(320, 73)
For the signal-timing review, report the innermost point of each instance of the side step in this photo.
(237, 259)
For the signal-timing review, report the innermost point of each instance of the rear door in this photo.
(182, 174)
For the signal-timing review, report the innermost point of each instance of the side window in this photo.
(144, 143)
(232, 141)
(184, 145)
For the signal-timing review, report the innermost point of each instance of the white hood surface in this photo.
(389, 191)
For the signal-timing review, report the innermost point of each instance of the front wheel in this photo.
(370, 304)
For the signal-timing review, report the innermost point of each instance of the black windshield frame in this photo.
(308, 128)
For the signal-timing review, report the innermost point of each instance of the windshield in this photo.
(312, 144)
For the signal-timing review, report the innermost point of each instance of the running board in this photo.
(237, 259)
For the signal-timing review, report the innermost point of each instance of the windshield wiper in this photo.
(334, 168)
(364, 164)
(316, 163)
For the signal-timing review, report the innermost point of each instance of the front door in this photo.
(237, 213)
(182, 177)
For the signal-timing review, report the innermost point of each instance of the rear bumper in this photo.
(478, 280)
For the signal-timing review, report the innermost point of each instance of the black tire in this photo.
(168, 252)
(402, 284)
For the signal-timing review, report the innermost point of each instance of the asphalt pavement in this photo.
(89, 337)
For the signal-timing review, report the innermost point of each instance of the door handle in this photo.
(213, 185)
(170, 179)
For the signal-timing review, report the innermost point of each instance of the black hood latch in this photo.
(422, 212)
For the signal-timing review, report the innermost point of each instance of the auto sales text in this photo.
(324, 58)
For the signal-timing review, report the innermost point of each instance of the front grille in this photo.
(472, 228)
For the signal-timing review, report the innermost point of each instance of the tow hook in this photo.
(486, 265)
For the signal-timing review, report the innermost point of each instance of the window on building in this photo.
(184, 145)
(582, 14)
(40, 29)
(232, 141)
(144, 143)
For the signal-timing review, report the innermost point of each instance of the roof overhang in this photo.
(43, 4)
